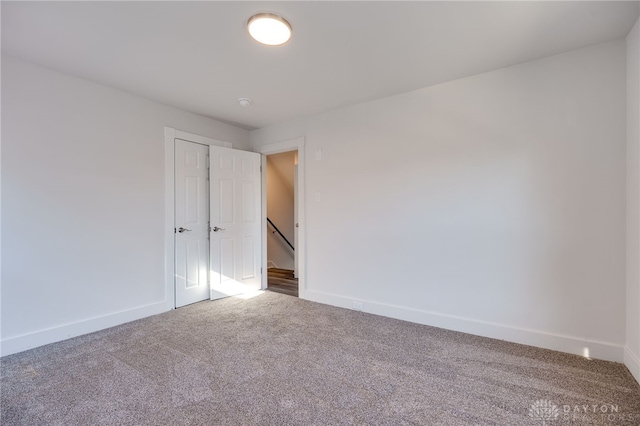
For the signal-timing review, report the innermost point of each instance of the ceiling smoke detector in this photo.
(244, 102)
(269, 29)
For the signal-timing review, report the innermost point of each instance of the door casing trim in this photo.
(296, 144)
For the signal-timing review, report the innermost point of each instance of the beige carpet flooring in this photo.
(279, 360)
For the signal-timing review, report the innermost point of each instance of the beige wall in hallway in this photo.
(280, 209)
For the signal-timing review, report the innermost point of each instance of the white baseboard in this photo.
(632, 361)
(569, 344)
(23, 342)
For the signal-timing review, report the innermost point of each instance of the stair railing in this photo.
(280, 233)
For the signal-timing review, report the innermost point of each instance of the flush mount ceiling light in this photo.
(269, 29)
(244, 102)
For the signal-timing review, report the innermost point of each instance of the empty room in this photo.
(320, 213)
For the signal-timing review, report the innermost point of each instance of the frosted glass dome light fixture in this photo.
(269, 29)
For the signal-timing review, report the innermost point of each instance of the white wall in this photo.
(632, 352)
(280, 199)
(82, 203)
(493, 204)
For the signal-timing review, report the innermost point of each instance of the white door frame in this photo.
(277, 148)
(170, 135)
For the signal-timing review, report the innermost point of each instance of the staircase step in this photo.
(280, 272)
(282, 281)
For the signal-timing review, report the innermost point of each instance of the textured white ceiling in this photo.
(197, 55)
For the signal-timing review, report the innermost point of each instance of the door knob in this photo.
(216, 229)
(181, 230)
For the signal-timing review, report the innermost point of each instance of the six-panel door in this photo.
(191, 222)
(235, 220)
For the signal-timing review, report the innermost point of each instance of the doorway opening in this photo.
(282, 222)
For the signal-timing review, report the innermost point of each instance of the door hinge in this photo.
(174, 230)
